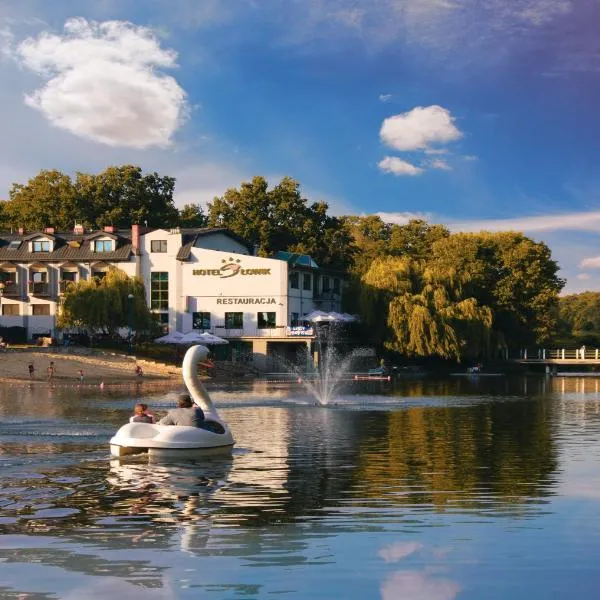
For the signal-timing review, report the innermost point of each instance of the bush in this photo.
(14, 335)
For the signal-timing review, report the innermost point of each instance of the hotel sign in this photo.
(230, 268)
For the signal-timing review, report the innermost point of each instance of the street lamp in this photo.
(2, 285)
(129, 318)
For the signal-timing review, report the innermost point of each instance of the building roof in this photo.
(68, 246)
(296, 260)
(191, 235)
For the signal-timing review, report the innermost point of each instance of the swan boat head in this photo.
(177, 440)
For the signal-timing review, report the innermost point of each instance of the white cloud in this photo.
(470, 158)
(419, 128)
(418, 586)
(397, 166)
(583, 221)
(385, 97)
(440, 164)
(402, 218)
(103, 83)
(584, 276)
(396, 552)
(590, 263)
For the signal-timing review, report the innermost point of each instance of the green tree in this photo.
(118, 196)
(123, 195)
(579, 318)
(192, 215)
(48, 199)
(103, 305)
(280, 219)
(512, 274)
(417, 310)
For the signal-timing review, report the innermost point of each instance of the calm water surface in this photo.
(436, 490)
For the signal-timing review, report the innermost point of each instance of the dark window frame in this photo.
(158, 246)
(159, 290)
(201, 320)
(307, 282)
(234, 320)
(266, 322)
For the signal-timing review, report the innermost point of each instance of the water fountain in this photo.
(325, 379)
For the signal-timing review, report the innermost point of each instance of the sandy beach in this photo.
(97, 367)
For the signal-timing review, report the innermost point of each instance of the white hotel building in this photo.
(203, 279)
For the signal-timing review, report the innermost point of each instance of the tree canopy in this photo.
(118, 196)
(104, 305)
(279, 218)
(579, 318)
(422, 311)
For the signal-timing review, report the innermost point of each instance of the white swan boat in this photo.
(177, 441)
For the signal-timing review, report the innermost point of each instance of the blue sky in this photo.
(476, 114)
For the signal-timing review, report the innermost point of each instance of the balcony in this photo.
(39, 288)
(11, 290)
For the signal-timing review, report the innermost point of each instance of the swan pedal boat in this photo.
(178, 441)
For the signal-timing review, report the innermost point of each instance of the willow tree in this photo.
(421, 311)
(104, 305)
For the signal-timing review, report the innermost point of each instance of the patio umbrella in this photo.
(195, 337)
(170, 338)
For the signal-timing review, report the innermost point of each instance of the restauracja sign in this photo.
(230, 268)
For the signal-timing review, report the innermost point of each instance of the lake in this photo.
(463, 488)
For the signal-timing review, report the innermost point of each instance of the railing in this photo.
(39, 288)
(11, 290)
(542, 354)
(63, 285)
(278, 332)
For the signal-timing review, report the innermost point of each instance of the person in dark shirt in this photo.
(186, 413)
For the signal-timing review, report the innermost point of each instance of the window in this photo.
(294, 280)
(336, 285)
(103, 246)
(159, 290)
(201, 320)
(234, 320)
(295, 320)
(40, 310)
(163, 319)
(7, 277)
(69, 276)
(326, 284)
(307, 281)
(266, 320)
(158, 246)
(39, 277)
(99, 275)
(41, 246)
(14, 245)
(10, 310)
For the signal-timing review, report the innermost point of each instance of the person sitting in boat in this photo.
(141, 414)
(186, 413)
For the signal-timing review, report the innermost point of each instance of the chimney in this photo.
(49, 230)
(21, 231)
(135, 238)
(110, 229)
(78, 229)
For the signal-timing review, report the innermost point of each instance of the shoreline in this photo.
(112, 370)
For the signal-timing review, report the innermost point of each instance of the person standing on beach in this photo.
(80, 374)
(31, 370)
(50, 371)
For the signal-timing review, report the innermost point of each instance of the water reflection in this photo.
(404, 488)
